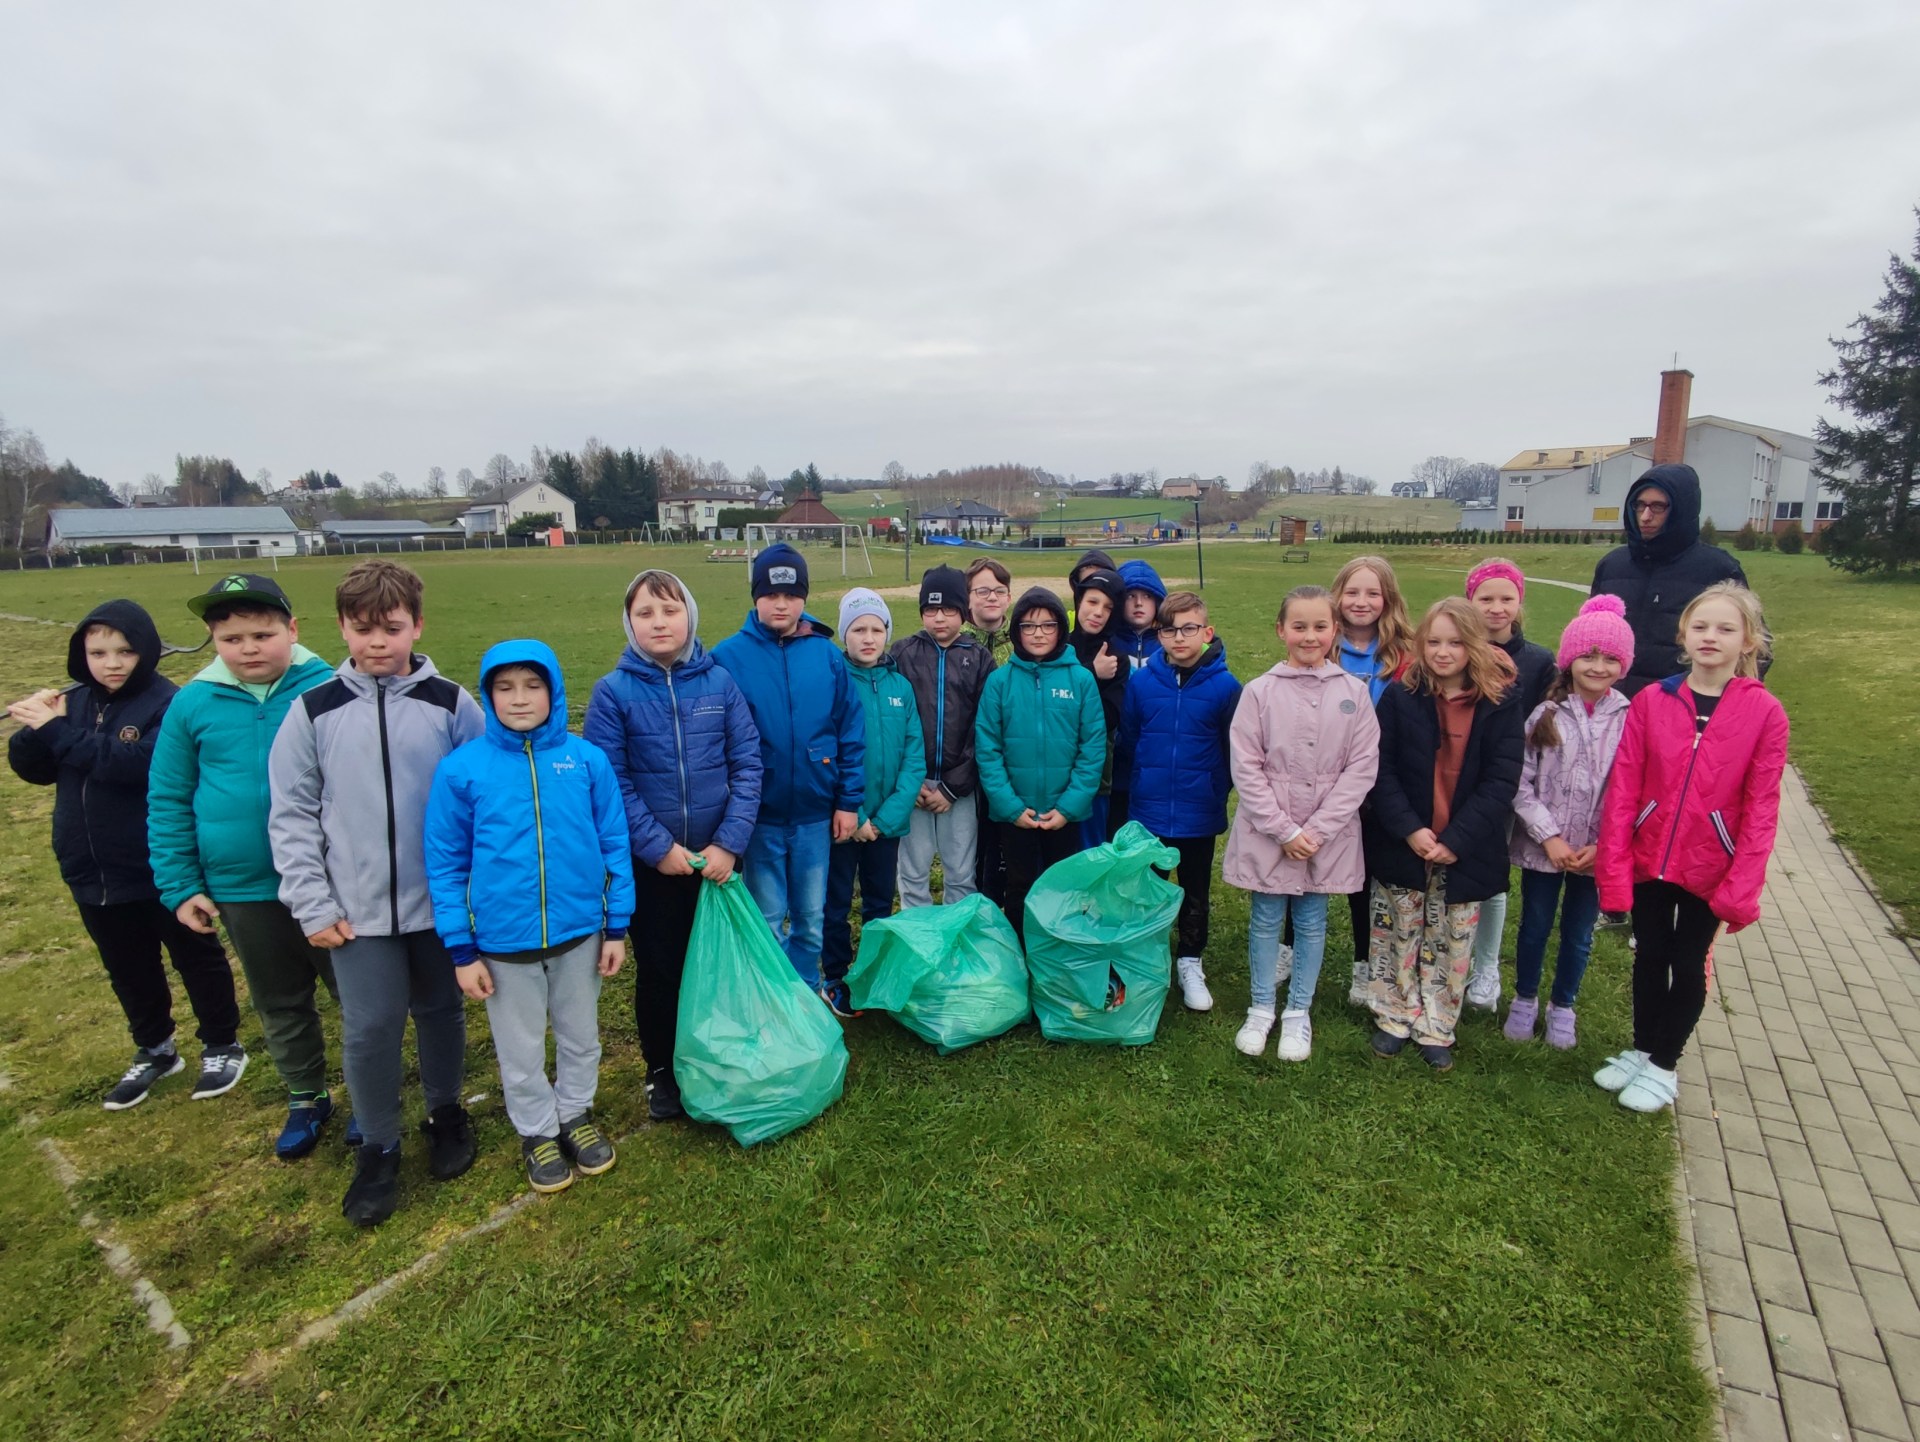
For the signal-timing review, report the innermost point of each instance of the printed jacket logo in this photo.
(129, 734)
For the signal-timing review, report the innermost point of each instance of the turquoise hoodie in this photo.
(896, 747)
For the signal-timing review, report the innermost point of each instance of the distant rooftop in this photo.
(75, 521)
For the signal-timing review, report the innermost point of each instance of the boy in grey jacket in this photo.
(350, 772)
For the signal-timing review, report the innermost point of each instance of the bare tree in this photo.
(124, 491)
(1363, 485)
(501, 472)
(390, 486)
(23, 464)
(263, 478)
(436, 481)
(893, 475)
(466, 480)
(1260, 478)
(153, 484)
(757, 478)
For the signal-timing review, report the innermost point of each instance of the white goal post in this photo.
(849, 540)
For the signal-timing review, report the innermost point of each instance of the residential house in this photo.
(494, 513)
(698, 512)
(963, 518)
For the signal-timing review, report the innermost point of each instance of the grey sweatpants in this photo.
(383, 979)
(954, 834)
(563, 990)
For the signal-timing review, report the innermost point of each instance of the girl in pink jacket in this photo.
(1687, 826)
(1571, 740)
(1305, 747)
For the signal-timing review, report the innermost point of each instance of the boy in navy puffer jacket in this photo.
(687, 755)
(527, 859)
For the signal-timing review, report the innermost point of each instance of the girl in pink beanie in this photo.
(1571, 739)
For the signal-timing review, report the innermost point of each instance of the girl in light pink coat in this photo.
(1305, 750)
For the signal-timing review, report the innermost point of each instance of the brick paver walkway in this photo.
(1800, 1152)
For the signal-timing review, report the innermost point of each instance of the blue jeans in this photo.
(1539, 896)
(786, 871)
(876, 863)
(1309, 947)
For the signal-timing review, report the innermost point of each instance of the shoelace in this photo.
(141, 1068)
(547, 1153)
(584, 1135)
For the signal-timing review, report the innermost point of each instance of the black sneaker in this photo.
(1440, 1058)
(375, 1190)
(449, 1141)
(663, 1095)
(148, 1067)
(547, 1167)
(1386, 1044)
(585, 1146)
(221, 1068)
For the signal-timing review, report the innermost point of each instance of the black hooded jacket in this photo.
(1087, 645)
(1659, 575)
(97, 757)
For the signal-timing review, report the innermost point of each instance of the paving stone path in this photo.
(1800, 1156)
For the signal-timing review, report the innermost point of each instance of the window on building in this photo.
(1829, 510)
(1521, 480)
(1788, 510)
(1516, 513)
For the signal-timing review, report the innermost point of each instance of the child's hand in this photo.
(475, 980)
(37, 710)
(1558, 852)
(843, 825)
(1440, 855)
(1301, 848)
(1423, 841)
(677, 862)
(933, 799)
(198, 913)
(1049, 821)
(867, 832)
(1027, 821)
(720, 863)
(1105, 664)
(612, 954)
(331, 936)
(1581, 862)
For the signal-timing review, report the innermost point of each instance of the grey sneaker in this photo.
(547, 1169)
(148, 1067)
(221, 1068)
(586, 1146)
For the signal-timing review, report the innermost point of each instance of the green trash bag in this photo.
(951, 975)
(1097, 930)
(754, 1049)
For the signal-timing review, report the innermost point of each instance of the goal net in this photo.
(816, 543)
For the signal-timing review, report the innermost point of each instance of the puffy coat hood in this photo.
(1682, 485)
(1139, 576)
(539, 655)
(693, 620)
(131, 621)
(1038, 598)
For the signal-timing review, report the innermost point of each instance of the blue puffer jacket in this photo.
(526, 836)
(685, 750)
(813, 734)
(1138, 647)
(1175, 747)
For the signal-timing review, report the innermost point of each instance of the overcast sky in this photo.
(1090, 236)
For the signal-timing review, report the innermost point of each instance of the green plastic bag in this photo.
(951, 975)
(1102, 912)
(754, 1049)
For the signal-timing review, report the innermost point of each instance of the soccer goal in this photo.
(849, 541)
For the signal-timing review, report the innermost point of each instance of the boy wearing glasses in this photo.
(1042, 745)
(948, 670)
(989, 593)
(1174, 749)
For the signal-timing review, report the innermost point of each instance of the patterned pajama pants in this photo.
(1420, 952)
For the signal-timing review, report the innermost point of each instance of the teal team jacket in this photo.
(896, 748)
(1041, 738)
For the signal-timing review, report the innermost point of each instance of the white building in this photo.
(1748, 473)
(698, 512)
(498, 510)
(268, 530)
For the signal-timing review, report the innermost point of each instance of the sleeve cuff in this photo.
(615, 933)
(464, 953)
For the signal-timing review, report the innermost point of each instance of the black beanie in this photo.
(1107, 583)
(944, 587)
(779, 568)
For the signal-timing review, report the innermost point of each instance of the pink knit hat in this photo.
(1601, 626)
(1488, 570)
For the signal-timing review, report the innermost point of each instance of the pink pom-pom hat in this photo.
(1601, 626)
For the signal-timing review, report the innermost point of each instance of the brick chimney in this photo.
(1670, 435)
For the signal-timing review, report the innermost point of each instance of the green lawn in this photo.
(1021, 1240)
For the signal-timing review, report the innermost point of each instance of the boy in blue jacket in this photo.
(527, 857)
(812, 747)
(1137, 638)
(1175, 748)
(687, 756)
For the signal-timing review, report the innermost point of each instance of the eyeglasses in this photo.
(989, 592)
(1038, 628)
(1184, 633)
(1652, 508)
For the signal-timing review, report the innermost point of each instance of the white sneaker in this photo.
(1283, 966)
(1620, 1070)
(1296, 1036)
(1362, 979)
(1252, 1039)
(1483, 988)
(1193, 984)
(1651, 1090)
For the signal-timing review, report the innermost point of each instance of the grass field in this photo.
(1021, 1240)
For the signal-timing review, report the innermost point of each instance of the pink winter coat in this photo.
(1306, 747)
(1561, 786)
(1698, 813)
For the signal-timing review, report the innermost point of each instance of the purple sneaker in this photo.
(1560, 1035)
(1521, 1016)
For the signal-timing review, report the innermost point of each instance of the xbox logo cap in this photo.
(242, 589)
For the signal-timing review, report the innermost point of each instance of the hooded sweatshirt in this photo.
(1138, 647)
(1041, 737)
(350, 771)
(682, 742)
(97, 757)
(208, 802)
(526, 839)
(1659, 575)
(1087, 645)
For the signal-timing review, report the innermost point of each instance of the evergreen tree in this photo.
(1875, 464)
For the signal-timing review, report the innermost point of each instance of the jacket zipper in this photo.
(680, 752)
(940, 715)
(1680, 805)
(539, 838)
(86, 821)
(386, 777)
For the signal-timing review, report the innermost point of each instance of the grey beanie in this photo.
(862, 602)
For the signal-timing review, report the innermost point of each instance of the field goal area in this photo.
(822, 542)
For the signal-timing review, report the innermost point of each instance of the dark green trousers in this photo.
(282, 970)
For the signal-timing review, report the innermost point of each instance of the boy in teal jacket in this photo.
(896, 765)
(207, 828)
(1041, 744)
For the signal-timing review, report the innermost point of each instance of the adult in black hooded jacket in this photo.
(1662, 567)
(94, 746)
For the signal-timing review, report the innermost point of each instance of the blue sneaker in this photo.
(353, 1137)
(307, 1114)
(838, 999)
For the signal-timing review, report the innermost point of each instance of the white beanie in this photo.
(862, 602)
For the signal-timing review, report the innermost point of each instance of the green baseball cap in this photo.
(242, 589)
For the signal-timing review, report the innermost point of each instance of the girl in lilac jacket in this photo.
(1571, 740)
(1306, 748)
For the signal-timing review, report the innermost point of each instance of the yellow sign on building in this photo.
(1606, 513)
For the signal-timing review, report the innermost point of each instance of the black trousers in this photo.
(129, 935)
(989, 866)
(1358, 916)
(662, 925)
(1027, 854)
(1195, 875)
(1672, 932)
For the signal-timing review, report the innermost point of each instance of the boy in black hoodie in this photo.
(93, 742)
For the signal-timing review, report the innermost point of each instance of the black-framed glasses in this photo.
(1652, 508)
(1038, 628)
(1184, 633)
